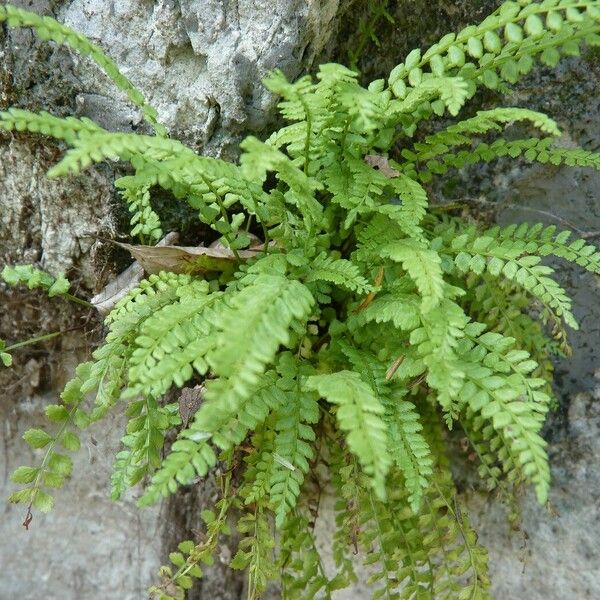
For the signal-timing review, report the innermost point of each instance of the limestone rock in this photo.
(199, 62)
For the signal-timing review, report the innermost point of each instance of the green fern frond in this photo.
(423, 265)
(249, 332)
(516, 264)
(338, 271)
(443, 93)
(255, 552)
(495, 395)
(171, 343)
(545, 241)
(36, 278)
(292, 449)
(479, 56)
(102, 145)
(145, 222)
(413, 205)
(461, 133)
(190, 457)
(300, 103)
(437, 341)
(260, 158)
(400, 308)
(260, 464)
(55, 466)
(356, 187)
(409, 448)
(533, 149)
(143, 443)
(359, 413)
(68, 129)
(304, 576)
(231, 428)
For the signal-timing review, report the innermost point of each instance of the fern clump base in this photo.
(364, 326)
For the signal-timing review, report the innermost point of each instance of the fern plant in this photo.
(366, 325)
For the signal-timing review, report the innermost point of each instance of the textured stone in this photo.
(199, 62)
(88, 547)
(50, 221)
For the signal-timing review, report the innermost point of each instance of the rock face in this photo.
(88, 546)
(556, 553)
(200, 63)
(51, 221)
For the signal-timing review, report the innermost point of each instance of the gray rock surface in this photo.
(555, 555)
(88, 546)
(50, 221)
(199, 62)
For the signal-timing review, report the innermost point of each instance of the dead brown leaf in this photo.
(186, 259)
(189, 402)
(382, 164)
(120, 286)
(193, 260)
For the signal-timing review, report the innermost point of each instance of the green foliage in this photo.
(5, 357)
(145, 222)
(34, 278)
(359, 414)
(363, 329)
(189, 556)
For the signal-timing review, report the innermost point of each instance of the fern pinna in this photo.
(365, 326)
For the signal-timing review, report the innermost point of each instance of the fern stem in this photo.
(499, 484)
(226, 217)
(35, 340)
(266, 236)
(307, 142)
(77, 300)
(213, 538)
(369, 298)
(383, 561)
(252, 591)
(413, 563)
(36, 484)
